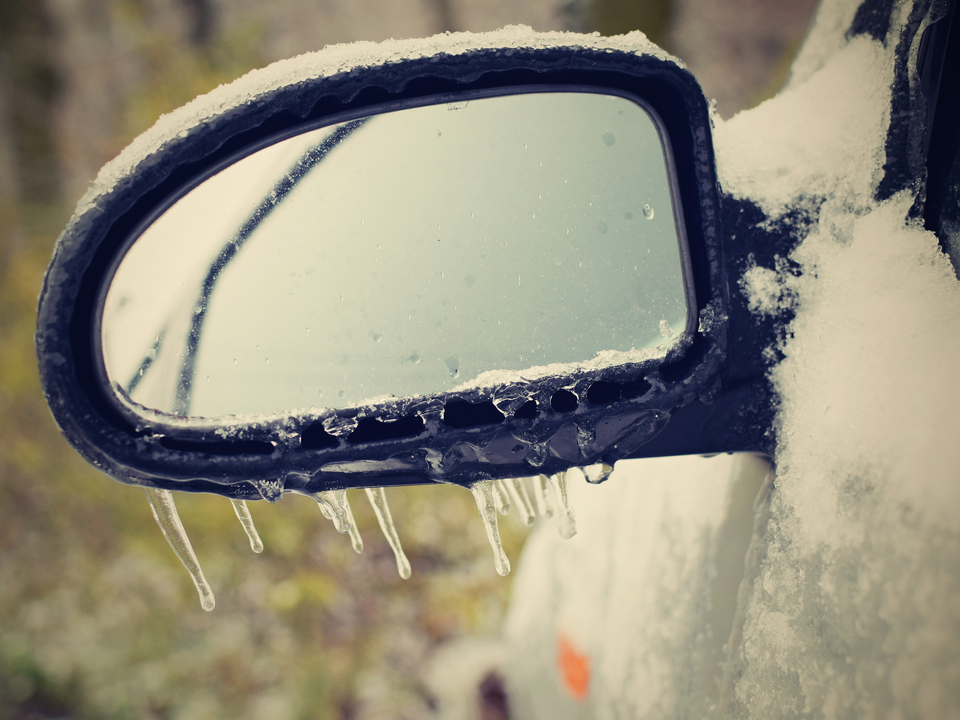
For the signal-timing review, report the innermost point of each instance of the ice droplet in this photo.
(647, 211)
(339, 426)
(500, 497)
(270, 490)
(378, 498)
(246, 519)
(567, 522)
(536, 454)
(483, 494)
(165, 513)
(542, 494)
(596, 474)
(334, 506)
(518, 491)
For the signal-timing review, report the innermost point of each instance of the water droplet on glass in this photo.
(453, 365)
(483, 494)
(378, 499)
(602, 228)
(608, 139)
(541, 492)
(518, 491)
(165, 513)
(243, 515)
(648, 212)
(628, 216)
(566, 522)
(500, 497)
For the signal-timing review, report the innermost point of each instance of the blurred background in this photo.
(97, 617)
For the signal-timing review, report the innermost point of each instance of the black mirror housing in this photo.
(676, 405)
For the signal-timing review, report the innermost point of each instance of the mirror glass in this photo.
(405, 253)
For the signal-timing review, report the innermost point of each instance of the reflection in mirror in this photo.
(405, 254)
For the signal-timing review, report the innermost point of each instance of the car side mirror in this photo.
(493, 259)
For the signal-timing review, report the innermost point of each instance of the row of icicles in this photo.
(492, 497)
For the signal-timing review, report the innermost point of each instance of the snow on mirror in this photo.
(404, 254)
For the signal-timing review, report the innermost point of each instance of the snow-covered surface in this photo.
(342, 58)
(853, 607)
(788, 151)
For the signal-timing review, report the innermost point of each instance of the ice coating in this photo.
(246, 519)
(378, 499)
(597, 473)
(518, 491)
(165, 513)
(541, 492)
(566, 520)
(483, 494)
(334, 506)
(501, 498)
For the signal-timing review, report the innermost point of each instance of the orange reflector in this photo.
(574, 668)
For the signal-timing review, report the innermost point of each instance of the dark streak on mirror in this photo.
(271, 202)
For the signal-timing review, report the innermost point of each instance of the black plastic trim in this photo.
(497, 431)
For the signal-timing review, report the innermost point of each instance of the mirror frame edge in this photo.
(131, 455)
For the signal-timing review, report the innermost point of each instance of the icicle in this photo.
(243, 515)
(334, 506)
(542, 494)
(355, 540)
(597, 473)
(483, 494)
(518, 491)
(378, 498)
(566, 523)
(165, 513)
(500, 498)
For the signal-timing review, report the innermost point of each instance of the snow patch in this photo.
(336, 59)
(786, 153)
